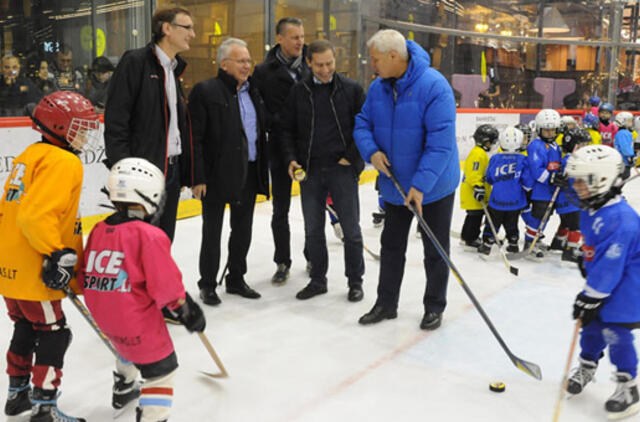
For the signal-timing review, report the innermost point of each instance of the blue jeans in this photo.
(342, 183)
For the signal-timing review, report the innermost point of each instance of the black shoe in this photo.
(355, 294)
(242, 289)
(209, 296)
(281, 275)
(18, 400)
(123, 392)
(431, 321)
(311, 290)
(169, 318)
(377, 314)
(485, 249)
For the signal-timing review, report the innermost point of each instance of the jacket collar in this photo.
(229, 81)
(180, 67)
(272, 60)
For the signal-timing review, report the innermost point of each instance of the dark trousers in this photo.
(342, 182)
(471, 225)
(170, 211)
(281, 201)
(394, 238)
(508, 219)
(239, 240)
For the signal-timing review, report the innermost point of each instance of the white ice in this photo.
(292, 360)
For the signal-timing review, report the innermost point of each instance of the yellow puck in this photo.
(299, 175)
(497, 387)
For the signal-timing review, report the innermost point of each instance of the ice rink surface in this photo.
(292, 360)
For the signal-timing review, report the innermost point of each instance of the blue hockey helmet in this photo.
(594, 101)
(591, 121)
(606, 107)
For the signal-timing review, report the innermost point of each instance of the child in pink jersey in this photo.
(128, 277)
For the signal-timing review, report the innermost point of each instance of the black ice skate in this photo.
(485, 248)
(624, 401)
(45, 407)
(581, 376)
(558, 244)
(123, 392)
(536, 254)
(18, 401)
(378, 217)
(512, 247)
(471, 246)
(571, 254)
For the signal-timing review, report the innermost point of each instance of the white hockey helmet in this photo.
(547, 119)
(599, 167)
(511, 139)
(135, 180)
(568, 120)
(624, 119)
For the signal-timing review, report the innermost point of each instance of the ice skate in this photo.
(581, 376)
(123, 393)
(45, 408)
(537, 254)
(378, 217)
(571, 254)
(624, 402)
(18, 402)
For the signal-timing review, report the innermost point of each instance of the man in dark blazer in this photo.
(228, 120)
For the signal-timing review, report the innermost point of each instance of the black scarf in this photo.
(294, 64)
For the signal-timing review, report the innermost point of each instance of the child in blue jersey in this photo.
(609, 304)
(544, 159)
(509, 176)
(623, 140)
(568, 236)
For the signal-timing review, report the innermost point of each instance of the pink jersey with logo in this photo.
(608, 133)
(128, 276)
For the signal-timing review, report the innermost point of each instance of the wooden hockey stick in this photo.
(223, 372)
(565, 378)
(369, 251)
(513, 270)
(528, 368)
(87, 316)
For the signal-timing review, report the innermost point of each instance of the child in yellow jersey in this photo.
(591, 124)
(41, 240)
(473, 188)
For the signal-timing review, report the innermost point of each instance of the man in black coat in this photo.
(228, 120)
(317, 129)
(146, 115)
(283, 67)
(16, 91)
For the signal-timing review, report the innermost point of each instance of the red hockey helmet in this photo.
(67, 118)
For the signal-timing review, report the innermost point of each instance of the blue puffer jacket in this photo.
(416, 131)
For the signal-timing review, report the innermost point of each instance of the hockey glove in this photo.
(479, 193)
(57, 269)
(190, 315)
(586, 308)
(558, 180)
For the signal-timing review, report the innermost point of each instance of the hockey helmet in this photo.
(624, 119)
(485, 133)
(606, 107)
(67, 119)
(135, 180)
(547, 119)
(511, 139)
(594, 101)
(574, 137)
(591, 121)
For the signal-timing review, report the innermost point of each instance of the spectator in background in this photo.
(44, 80)
(67, 79)
(99, 77)
(16, 90)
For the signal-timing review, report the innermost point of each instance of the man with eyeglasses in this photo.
(229, 121)
(146, 115)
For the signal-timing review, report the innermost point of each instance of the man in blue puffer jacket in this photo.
(407, 126)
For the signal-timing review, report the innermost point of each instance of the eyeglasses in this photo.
(243, 61)
(187, 27)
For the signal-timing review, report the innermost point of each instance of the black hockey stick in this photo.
(369, 251)
(87, 316)
(545, 217)
(528, 368)
(513, 270)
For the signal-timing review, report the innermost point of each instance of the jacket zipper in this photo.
(335, 115)
(313, 119)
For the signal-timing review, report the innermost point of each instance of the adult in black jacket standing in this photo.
(229, 121)
(146, 115)
(283, 67)
(317, 136)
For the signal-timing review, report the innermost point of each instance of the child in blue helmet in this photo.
(607, 128)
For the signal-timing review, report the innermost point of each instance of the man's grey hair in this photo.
(225, 48)
(386, 40)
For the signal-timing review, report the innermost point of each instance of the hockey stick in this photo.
(565, 378)
(369, 251)
(87, 316)
(224, 272)
(545, 217)
(223, 372)
(513, 270)
(528, 368)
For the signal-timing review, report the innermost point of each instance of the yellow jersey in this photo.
(475, 168)
(38, 215)
(596, 138)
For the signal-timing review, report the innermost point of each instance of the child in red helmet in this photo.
(41, 240)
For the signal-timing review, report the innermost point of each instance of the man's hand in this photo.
(293, 166)
(344, 162)
(381, 163)
(199, 191)
(414, 197)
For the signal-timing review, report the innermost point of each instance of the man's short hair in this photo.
(10, 56)
(386, 40)
(65, 49)
(225, 48)
(320, 46)
(281, 26)
(161, 16)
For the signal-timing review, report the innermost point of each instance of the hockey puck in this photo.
(497, 387)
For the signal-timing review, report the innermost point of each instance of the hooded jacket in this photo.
(413, 123)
